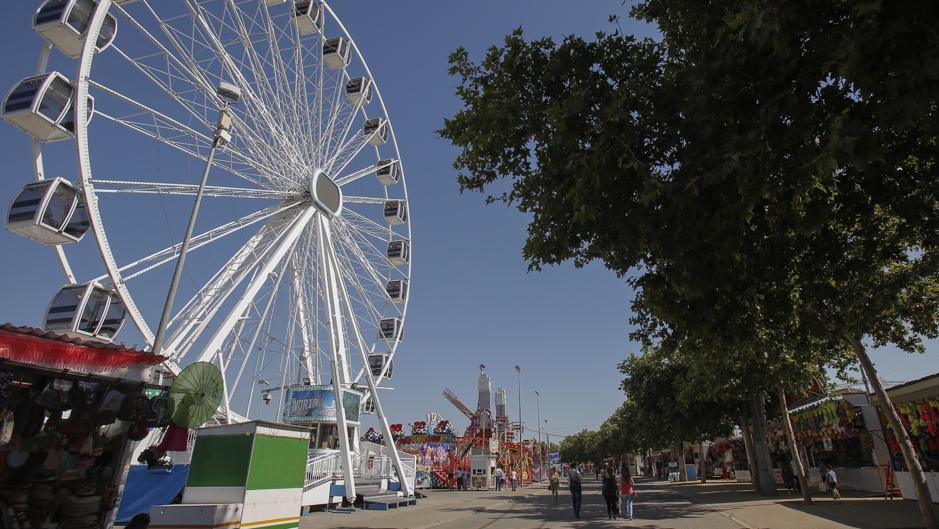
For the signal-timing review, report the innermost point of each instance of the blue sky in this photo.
(473, 300)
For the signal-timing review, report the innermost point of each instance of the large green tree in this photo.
(762, 167)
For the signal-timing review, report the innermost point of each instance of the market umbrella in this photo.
(195, 395)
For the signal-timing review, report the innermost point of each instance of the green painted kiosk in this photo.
(242, 475)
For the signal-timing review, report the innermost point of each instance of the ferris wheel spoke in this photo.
(195, 316)
(368, 225)
(336, 118)
(166, 255)
(270, 263)
(348, 152)
(364, 200)
(184, 139)
(200, 72)
(367, 242)
(355, 175)
(358, 259)
(198, 110)
(189, 67)
(354, 276)
(253, 103)
(166, 188)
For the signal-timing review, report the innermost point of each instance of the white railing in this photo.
(409, 468)
(376, 466)
(322, 467)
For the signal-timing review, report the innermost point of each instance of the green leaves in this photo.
(764, 175)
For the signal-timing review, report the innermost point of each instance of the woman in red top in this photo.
(627, 492)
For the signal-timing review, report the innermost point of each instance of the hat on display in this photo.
(43, 475)
(85, 488)
(17, 458)
(138, 431)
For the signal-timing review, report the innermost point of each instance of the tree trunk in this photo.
(903, 438)
(801, 473)
(760, 446)
(752, 463)
(682, 471)
(702, 463)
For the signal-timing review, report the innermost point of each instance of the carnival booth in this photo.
(69, 409)
(435, 453)
(917, 403)
(836, 431)
(730, 456)
(249, 474)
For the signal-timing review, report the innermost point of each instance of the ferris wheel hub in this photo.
(325, 193)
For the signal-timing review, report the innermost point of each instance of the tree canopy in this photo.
(764, 174)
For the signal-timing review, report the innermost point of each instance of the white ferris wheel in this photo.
(300, 262)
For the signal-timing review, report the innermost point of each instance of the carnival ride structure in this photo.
(301, 266)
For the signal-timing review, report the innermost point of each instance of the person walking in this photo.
(514, 479)
(609, 491)
(574, 480)
(832, 480)
(554, 483)
(451, 479)
(627, 492)
(500, 478)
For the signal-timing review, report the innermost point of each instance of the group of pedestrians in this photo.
(618, 491)
(459, 479)
(500, 476)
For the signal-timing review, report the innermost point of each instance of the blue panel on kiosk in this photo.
(145, 489)
(337, 490)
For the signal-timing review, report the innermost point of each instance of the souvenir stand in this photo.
(69, 409)
(917, 403)
(836, 431)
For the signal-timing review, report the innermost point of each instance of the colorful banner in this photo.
(305, 404)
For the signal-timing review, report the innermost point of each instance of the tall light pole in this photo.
(228, 94)
(540, 448)
(521, 429)
(547, 441)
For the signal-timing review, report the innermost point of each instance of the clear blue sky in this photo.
(473, 300)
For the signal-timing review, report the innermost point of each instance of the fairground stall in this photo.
(917, 403)
(730, 455)
(843, 432)
(69, 410)
(435, 452)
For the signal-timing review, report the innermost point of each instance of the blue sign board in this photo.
(305, 404)
(554, 457)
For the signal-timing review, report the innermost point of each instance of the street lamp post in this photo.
(540, 448)
(547, 441)
(228, 94)
(521, 429)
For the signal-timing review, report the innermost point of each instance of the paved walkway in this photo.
(659, 505)
(854, 510)
(531, 507)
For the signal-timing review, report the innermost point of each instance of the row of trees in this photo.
(763, 175)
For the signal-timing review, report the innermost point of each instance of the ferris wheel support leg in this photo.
(301, 322)
(225, 404)
(338, 349)
(275, 258)
(373, 389)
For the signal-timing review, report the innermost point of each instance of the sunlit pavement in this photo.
(659, 505)
(656, 507)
